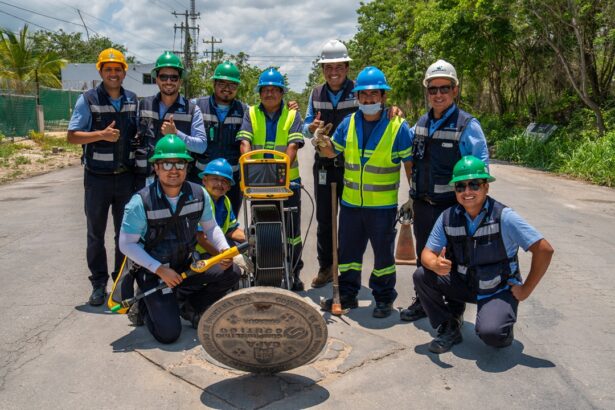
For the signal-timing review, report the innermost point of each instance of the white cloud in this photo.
(268, 30)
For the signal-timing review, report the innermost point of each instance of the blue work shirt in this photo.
(472, 140)
(81, 120)
(369, 134)
(135, 219)
(309, 114)
(516, 232)
(221, 213)
(197, 140)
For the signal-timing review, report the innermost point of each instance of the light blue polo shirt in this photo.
(516, 233)
(81, 120)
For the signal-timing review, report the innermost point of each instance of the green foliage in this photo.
(21, 160)
(7, 149)
(593, 161)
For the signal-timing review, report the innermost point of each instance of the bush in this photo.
(593, 161)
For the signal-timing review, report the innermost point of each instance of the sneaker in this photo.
(346, 302)
(414, 312)
(449, 334)
(325, 275)
(134, 314)
(382, 310)
(98, 296)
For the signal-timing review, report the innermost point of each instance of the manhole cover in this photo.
(262, 330)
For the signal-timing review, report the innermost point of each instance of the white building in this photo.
(84, 76)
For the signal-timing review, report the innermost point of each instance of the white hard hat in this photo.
(334, 51)
(440, 69)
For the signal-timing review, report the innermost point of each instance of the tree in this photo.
(23, 66)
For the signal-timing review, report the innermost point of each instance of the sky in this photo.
(284, 33)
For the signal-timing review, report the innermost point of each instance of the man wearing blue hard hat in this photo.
(374, 148)
(471, 256)
(272, 125)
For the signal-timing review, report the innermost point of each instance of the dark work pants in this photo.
(161, 309)
(322, 196)
(101, 193)
(357, 227)
(292, 226)
(425, 216)
(495, 316)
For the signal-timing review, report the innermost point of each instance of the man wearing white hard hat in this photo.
(439, 139)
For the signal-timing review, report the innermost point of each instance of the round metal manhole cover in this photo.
(262, 330)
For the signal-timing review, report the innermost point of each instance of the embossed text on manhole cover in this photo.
(262, 330)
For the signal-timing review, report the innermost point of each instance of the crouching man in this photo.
(471, 256)
(159, 234)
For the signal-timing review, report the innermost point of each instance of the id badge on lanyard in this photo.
(322, 176)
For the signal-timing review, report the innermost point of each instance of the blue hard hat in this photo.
(219, 167)
(371, 78)
(271, 76)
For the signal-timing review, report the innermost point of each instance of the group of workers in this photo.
(168, 168)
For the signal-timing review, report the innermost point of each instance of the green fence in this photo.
(18, 112)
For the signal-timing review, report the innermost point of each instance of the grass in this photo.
(22, 160)
(48, 143)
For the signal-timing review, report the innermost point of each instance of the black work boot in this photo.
(297, 284)
(382, 310)
(98, 295)
(135, 313)
(449, 334)
(347, 302)
(414, 312)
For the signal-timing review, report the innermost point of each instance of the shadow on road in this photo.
(487, 358)
(253, 391)
(141, 339)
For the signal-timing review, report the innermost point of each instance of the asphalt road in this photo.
(57, 352)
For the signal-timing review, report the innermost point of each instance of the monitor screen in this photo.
(265, 174)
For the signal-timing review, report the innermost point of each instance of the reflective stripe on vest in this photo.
(282, 136)
(376, 183)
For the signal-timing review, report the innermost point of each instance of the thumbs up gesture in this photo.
(110, 134)
(316, 123)
(168, 127)
(443, 266)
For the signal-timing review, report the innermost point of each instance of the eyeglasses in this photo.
(165, 77)
(474, 185)
(167, 166)
(444, 89)
(219, 180)
(228, 86)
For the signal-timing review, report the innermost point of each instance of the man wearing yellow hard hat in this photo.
(104, 122)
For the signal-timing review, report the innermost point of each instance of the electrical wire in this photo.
(41, 14)
(29, 22)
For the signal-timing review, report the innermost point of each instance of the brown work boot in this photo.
(325, 275)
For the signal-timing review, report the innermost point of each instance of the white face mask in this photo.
(370, 109)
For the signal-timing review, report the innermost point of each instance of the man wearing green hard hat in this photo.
(159, 234)
(222, 118)
(471, 256)
(168, 112)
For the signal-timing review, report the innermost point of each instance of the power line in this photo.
(29, 22)
(40, 14)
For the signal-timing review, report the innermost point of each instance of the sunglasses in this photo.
(165, 77)
(445, 89)
(167, 166)
(474, 185)
(228, 86)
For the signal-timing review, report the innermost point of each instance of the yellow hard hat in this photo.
(111, 55)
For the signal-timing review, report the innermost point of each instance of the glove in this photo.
(244, 263)
(321, 137)
(405, 212)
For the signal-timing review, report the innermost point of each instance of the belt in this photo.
(330, 162)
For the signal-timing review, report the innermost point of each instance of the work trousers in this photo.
(357, 227)
(322, 195)
(160, 310)
(495, 316)
(292, 225)
(425, 216)
(104, 191)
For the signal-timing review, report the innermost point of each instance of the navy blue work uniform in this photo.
(221, 128)
(483, 253)
(108, 172)
(328, 170)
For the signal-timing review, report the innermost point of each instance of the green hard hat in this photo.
(227, 71)
(170, 146)
(168, 59)
(470, 167)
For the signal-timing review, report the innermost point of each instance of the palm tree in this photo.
(23, 68)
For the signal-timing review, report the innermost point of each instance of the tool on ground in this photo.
(336, 307)
(404, 251)
(195, 268)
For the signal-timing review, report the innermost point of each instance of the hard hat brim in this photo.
(223, 77)
(156, 157)
(203, 173)
(433, 77)
(334, 60)
(488, 177)
(372, 87)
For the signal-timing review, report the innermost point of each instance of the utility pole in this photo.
(187, 30)
(213, 41)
